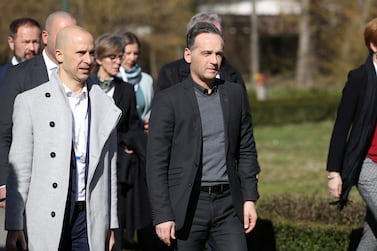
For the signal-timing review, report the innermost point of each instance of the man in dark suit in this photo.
(24, 40)
(201, 156)
(176, 71)
(25, 76)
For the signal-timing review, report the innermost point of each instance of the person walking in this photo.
(201, 156)
(63, 158)
(352, 157)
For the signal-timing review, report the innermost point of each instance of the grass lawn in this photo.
(293, 159)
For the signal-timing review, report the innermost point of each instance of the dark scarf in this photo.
(133, 74)
(105, 84)
(361, 134)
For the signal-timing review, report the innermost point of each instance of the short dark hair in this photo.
(17, 23)
(199, 28)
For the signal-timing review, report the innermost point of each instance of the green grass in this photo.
(293, 159)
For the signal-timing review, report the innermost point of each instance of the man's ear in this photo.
(187, 55)
(11, 42)
(44, 37)
(59, 55)
(373, 47)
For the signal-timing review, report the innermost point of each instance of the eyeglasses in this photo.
(113, 58)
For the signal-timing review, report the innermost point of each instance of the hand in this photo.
(249, 216)
(335, 184)
(128, 151)
(111, 239)
(165, 231)
(146, 126)
(3, 195)
(14, 237)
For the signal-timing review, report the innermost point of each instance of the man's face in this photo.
(78, 57)
(205, 57)
(26, 43)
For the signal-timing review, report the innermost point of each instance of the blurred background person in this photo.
(24, 40)
(131, 72)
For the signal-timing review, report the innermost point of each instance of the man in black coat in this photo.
(26, 76)
(201, 156)
(176, 71)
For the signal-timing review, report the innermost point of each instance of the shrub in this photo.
(294, 110)
(311, 209)
(306, 223)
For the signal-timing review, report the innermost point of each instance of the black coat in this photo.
(354, 126)
(174, 150)
(18, 78)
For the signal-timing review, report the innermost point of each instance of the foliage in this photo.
(300, 222)
(294, 110)
(337, 27)
(161, 27)
(304, 208)
(293, 236)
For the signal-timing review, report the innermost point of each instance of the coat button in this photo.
(47, 94)
(52, 123)
(53, 155)
(54, 185)
(52, 214)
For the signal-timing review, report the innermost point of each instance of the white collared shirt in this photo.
(49, 63)
(14, 61)
(79, 107)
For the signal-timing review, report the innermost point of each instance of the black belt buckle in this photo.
(215, 188)
(80, 206)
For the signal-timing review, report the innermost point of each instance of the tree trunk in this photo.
(305, 68)
(254, 43)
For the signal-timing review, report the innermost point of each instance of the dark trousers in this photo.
(74, 235)
(214, 220)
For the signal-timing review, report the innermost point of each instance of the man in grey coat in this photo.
(63, 157)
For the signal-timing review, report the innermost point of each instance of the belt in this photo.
(80, 206)
(215, 188)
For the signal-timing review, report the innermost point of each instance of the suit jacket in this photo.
(40, 157)
(3, 70)
(177, 71)
(174, 149)
(18, 78)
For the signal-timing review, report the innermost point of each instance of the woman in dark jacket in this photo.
(352, 158)
(134, 208)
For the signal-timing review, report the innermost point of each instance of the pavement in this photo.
(3, 233)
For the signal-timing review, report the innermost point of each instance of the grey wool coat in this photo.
(40, 155)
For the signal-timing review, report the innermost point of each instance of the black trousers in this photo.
(215, 221)
(74, 234)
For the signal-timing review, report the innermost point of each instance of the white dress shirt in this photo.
(79, 107)
(49, 63)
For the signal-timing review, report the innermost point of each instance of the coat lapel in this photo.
(104, 116)
(224, 100)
